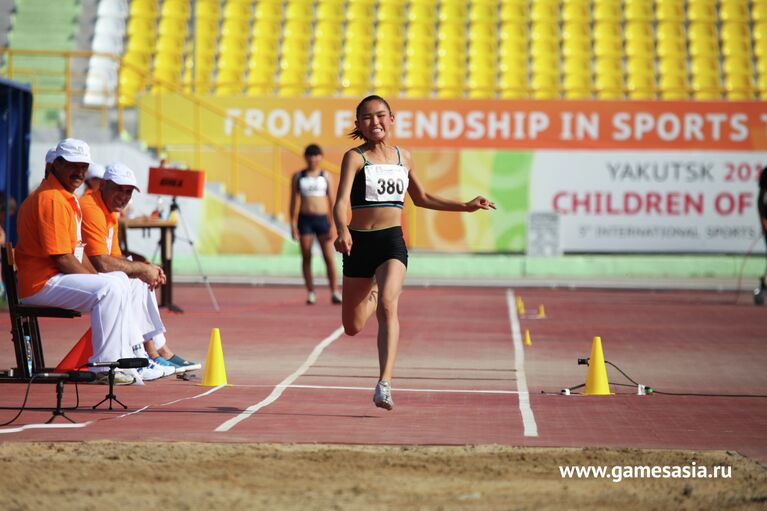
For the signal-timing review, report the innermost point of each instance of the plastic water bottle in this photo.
(28, 347)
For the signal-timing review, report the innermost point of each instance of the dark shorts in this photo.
(313, 224)
(370, 249)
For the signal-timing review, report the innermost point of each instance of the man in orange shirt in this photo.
(51, 269)
(100, 227)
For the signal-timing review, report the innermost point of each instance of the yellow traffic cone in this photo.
(520, 306)
(528, 341)
(596, 379)
(541, 311)
(215, 372)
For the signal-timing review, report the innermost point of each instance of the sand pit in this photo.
(116, 475)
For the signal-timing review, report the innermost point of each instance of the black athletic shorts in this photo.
(370, 249)
(313, 224)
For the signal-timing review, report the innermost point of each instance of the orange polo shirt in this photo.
(47, 226)
(99, 227)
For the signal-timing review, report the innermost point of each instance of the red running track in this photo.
(458, 379)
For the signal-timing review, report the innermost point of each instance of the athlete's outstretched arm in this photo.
(423, 199)
(351, 162)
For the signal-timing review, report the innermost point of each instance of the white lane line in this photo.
(397, 389)
(280, 387)
(211, 391)
(64, 425)
(528, 419)
(84, 424)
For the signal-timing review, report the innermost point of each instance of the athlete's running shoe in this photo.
(335, 298)
(382, 397)
(185, 365)
(311, 298)
(167, 369)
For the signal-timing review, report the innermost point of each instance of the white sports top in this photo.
(313, 186)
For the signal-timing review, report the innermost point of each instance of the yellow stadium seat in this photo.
(545, 86)
(141, 26)
(701, 12)
(390, 12)
(735, 31)
(674, 87)
(271, 11)
(609, 86)
(481, 86)
(760, 48)
(704, 48)
(608, 66)
(739, 86)
(608, 48)
(513, 32)
(702, 31)
(638, 10)
(578, 13)
(169, 44)
(670, 31)
(671, 48)
(672, 66)
(544, 30)
(607, 11)
(143, 9)
(759, 12)
(638, 31)
(704, 66)
(452, 13)
(206, 10)
(142, 45)
(670, 11)
(298, 11)
(450, 85)
(360, 12)
(513, 85)
(733, 12)
(172, 26)
(514, 11)
(542, 47)
(485, 13)
(234, 32)
(577, 86)
(572, 31)
(639, 47)
(236, 11)
(175, 9)
(641, 86)
(358, 34)
(576, 48)
(330, 12)
(706, 82)
(421, 14)
(737, 65)
(640, 66)
(482, 30)
(297, 30)
(546, 12)
(737, 48)
(608, 31)
(576, 64)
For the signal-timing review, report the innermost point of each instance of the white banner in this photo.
(650, 201)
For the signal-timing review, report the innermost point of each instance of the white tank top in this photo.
(313, 186)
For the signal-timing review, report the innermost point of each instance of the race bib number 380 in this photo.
(385, 183)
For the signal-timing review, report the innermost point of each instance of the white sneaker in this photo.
(150, 373)
(166, 370)
(382, 397)
(311, 298)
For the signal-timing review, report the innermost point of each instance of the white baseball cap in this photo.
(120, 174)
(95, 170)
(50, 155)
(74, 151)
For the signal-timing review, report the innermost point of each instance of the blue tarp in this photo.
(15, 128)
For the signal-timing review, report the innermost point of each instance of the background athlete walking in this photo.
(374, 179)
(311, 200)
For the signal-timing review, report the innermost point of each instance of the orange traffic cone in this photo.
(596, 379)
(78, 356)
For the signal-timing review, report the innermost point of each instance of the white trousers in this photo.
(107, 297)
(147, 312)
